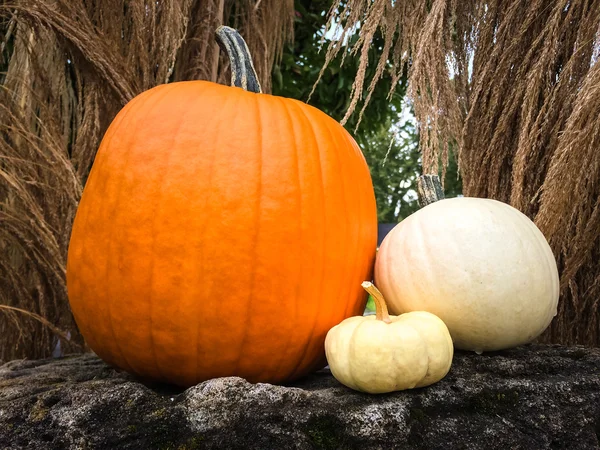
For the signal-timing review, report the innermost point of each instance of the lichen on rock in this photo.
(532, 397)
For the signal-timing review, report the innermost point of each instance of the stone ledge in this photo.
(532, 397)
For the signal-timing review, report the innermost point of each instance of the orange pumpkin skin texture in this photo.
(220, 233)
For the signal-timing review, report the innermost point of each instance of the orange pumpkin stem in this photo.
(381, 311)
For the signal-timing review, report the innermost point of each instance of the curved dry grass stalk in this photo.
(37, 317)
(66, 68)
(516, 85)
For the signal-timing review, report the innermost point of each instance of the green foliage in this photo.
(295, 77)
(395, 164)
(302, 61)
(323, 432)
(389, 141)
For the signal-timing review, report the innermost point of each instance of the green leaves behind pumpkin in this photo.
(388, 141)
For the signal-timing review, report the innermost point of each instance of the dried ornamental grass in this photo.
(66, 68)
(515, 85)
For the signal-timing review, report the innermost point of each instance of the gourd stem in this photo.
(381, 311)
(429, 189)
(242, 70)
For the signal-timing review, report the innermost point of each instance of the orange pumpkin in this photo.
(221, 232)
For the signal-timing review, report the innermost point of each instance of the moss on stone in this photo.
(323, 432)
(495, 402)
(38, 412)
(193, 444)
(418, 415)
(159, 412)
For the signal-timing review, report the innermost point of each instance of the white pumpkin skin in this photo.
(480, 265)
(373, 356)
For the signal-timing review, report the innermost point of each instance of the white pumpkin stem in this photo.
(243, 74)
(429, 189)
(381, 311)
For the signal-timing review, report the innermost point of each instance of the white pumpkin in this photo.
(382, 353)
(480, 265)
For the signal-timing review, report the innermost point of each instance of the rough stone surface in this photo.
(534, 397)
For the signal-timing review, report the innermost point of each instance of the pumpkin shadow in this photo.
(161, 388)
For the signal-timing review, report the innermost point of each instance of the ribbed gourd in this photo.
(480, 265)
(222, 231)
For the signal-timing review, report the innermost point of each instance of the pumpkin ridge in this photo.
(199, 314)
(350, 351)
(301, 109)
(357, 151)
(256, 235)
(536, 236)
(388, 259)
(367, 267)
(339, 159)
(157, 208)
(405, 265)
(294, 321)
(109, 300)
(428, 370)
(422, 249)
(84, 215)
(368, 196)
(347, 284)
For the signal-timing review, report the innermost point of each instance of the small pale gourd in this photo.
(383, 353)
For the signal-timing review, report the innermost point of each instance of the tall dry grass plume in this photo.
(515, 85)
(66, 68)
